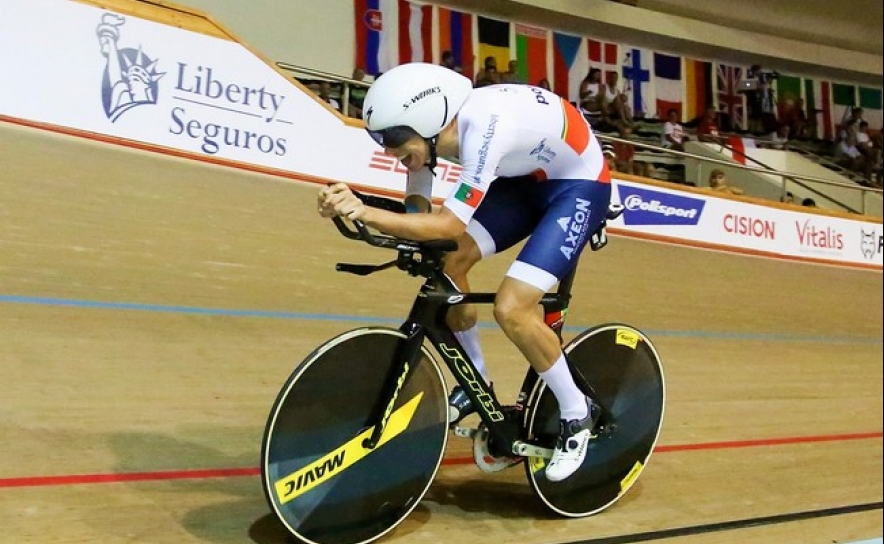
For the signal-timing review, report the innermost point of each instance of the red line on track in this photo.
(197, 474)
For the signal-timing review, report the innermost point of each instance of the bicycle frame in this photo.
(427, 321)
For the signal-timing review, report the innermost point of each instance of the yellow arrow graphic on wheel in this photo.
(335, 462)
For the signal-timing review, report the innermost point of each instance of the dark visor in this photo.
(393, 136)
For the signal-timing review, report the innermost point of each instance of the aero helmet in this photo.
(420, 96)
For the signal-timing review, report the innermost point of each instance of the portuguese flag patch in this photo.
(469, 195)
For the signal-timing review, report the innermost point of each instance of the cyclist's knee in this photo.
(512, 309)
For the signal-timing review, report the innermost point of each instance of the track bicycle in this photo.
(358, 431)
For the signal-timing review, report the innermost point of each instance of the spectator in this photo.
(849, 156)
(788, 198)
(673, 136)
(624, 154)
(809, 202)
(796, 118)
(592, 95)
(489, 74)
(760, 99)
(544, 84)
(617, 100)
(718, 182)
(865, 145)
(779, 139)
(357, 94)
(322, 89)
(512, 73)
(610, 156)
(707, 129)
(448, 61)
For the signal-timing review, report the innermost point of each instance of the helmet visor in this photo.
(393, 136)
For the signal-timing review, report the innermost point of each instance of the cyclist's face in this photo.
(413, 154)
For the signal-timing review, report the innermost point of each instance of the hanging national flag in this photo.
(728, 96)
(870, 102)
(570, 65)
(668, 85)
(787, 94)
(636, 78)
(456, 35)
(819, 103)
(738, 147)
(605, 56)
(698, 88)
(377, 35)
(494, 41)
(531, 47)
(415, 32)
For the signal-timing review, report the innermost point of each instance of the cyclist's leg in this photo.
(574, 209)
(475, 244)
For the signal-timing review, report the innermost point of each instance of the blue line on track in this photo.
(232, 312)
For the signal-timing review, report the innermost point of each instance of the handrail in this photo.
(769, 171)
(346, 81)
(786, 177)
(345, 102)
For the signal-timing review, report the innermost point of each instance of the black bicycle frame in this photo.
(427, 320)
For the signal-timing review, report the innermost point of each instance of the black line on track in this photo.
(731, 525)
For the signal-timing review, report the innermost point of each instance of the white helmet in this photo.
(421, 96)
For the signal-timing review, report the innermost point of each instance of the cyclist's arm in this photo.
(440, 224)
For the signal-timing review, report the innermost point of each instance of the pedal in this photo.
(482, 453)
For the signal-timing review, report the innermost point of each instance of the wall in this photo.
(317, 33)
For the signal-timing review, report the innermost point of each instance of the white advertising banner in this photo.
(722, 222)
(69, 64)
(79, 66)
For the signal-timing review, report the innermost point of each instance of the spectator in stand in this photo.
(449, 62)
(718, 182)
(544, 84)
(796, 118)
(322, 89)
(788, 198)
(707, 128)
(878, 167)
(673, 136)
(592, 95)
(850, 157)
(488, 75)
(864, 143)
(357, 94)
(778, 139)
(610, 156)
(809, 202)
(624, 154)
(617, 100)
(512, 73)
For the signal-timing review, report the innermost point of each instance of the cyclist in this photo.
(531, 168)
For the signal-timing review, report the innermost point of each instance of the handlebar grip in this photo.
(345, 230)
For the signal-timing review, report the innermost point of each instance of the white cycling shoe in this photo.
(570, 450)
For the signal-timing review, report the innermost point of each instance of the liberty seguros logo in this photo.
(207, 104)
(130, 76)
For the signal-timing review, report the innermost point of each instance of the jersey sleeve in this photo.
(483, 142)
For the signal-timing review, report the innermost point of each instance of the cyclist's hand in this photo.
(339, 200)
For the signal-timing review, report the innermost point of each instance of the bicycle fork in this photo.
(406, 357)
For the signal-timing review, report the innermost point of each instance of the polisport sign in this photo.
(649, 207)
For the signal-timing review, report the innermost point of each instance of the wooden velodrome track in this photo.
(151, 307)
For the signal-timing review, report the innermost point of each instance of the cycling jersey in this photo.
(516, 130)
(549, 174)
